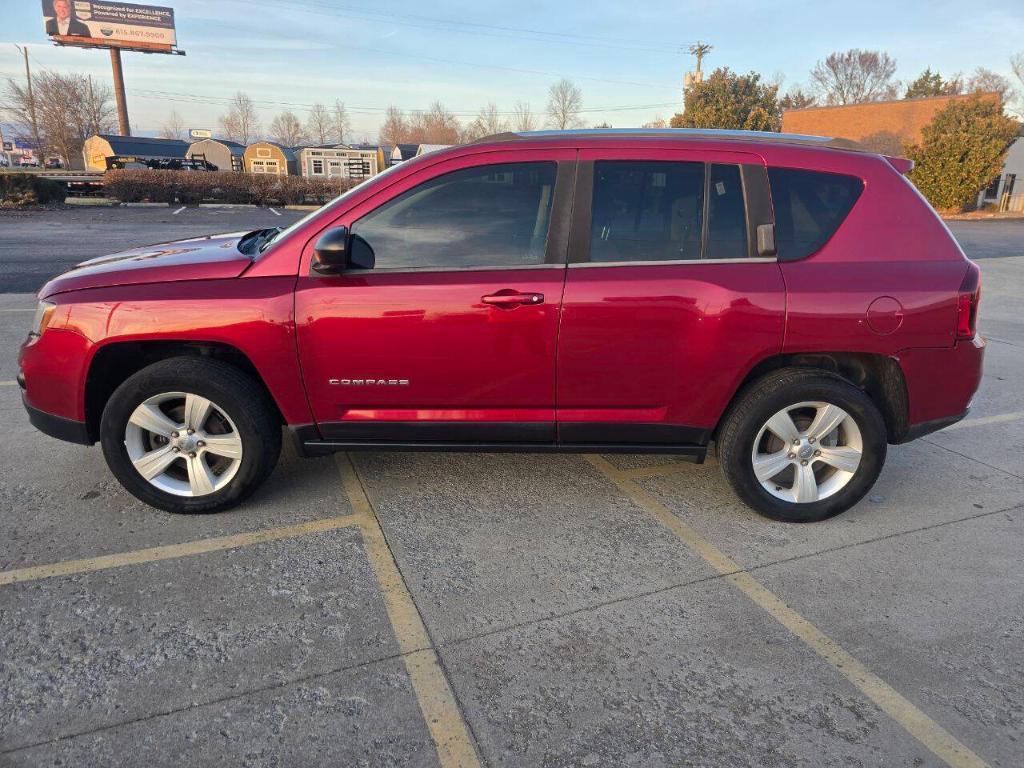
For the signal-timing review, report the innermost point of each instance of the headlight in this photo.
(44, 312)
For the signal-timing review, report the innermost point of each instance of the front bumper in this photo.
(57, 426)
(50, 380)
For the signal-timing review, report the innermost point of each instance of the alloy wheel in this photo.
(807, 452)
(183, 443)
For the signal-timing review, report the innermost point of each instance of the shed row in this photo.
(105, 151)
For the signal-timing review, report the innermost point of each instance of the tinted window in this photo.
(809, 207)
(727, 216)
(495, 215)
(646, 211)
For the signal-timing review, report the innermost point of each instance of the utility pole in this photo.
(700, 50)
(119, 97)
(31, 105)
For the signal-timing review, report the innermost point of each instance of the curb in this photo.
(94, 202)
(1014, 216)
(228, 206)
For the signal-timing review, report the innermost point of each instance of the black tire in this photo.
(758, 402)
(241, 398)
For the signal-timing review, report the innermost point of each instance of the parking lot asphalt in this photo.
(519, 610)
(35, 245)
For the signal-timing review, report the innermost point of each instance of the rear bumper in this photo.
(57, 426)
(927, 427)
(941, 383)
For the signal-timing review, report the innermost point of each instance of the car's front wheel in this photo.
(190, 435)
(802, 445)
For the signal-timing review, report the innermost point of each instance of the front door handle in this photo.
(511, 298)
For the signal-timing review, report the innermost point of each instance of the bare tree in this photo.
(565, 101)
(475, 130)
(986, 81)
(434, 126)
(340, 124)
(97, 110)
(241, 123)
(69, 108)
(1017, 64)
(319, 125)
(487, 123)
(522, 118)
(856, 76)
(797, 98)
(658, 122)
(173, 127)
(286, 129)
(395, 129)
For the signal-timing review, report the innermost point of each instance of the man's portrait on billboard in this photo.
(63, 21)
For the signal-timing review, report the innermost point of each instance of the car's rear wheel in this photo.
(802, 445)
(190, 435)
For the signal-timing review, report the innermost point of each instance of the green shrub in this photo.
(728, 100)
(194, 187)
(962, 150)
(20, 190)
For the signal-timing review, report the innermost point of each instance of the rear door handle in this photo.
(512, 298)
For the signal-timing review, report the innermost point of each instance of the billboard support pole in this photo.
(119, 96)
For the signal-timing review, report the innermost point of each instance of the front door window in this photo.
(490, 216)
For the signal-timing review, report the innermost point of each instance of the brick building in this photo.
(882, 126)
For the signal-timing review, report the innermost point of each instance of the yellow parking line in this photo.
(656, 470)
(433, 692)
(983, 420)
(943, 744)
(7, 383)
(171, 551)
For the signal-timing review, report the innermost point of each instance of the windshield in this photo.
(279, 234)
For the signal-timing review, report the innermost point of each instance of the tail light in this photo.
(967, 303)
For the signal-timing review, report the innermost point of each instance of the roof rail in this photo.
(711, 134)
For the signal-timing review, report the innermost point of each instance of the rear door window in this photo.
(727, 215)
(650, 211)
(809, 207)
(646, 211)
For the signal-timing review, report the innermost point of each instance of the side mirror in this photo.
(337, 250)
(766, 240)
(330, 254)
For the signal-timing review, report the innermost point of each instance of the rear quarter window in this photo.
(809, 207)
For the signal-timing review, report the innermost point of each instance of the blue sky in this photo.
(628, 58)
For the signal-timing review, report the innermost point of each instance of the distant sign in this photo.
(119, 25)
(200, 133)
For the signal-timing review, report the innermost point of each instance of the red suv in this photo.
(791, 299)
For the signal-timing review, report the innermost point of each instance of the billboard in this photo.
(112, 25)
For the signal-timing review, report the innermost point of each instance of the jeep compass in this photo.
(792, 301)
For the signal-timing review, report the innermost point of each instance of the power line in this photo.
(476, 28)
(196, 98)
(518, 70)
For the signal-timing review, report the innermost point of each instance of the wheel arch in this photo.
(879, 376)
(114, 362)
